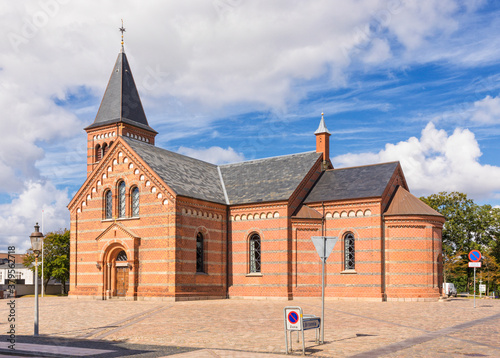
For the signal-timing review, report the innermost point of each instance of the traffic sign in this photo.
(293, 319)
(474, 255)
(324, 245)
(474, 264)
(482, 288)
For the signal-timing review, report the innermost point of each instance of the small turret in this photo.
(323, 143)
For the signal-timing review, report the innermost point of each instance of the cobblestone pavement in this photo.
(252, 328)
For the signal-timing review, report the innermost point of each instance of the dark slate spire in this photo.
(121, 102)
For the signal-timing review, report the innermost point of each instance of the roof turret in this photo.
(322, 126)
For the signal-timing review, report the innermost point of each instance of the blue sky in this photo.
(232, 80)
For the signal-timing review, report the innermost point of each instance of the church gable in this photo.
(121, 164)
(367, 181)
(116, 230)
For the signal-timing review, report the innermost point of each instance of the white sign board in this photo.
(324, 245)
(482, 288)
(474, 264)
(293, 319)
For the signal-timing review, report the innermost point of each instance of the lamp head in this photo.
(36, 240)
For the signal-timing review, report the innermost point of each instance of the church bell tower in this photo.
(120, 114)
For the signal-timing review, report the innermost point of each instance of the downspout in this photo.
(384, 293)
(76, 248)
(227, 252)
(226, 198)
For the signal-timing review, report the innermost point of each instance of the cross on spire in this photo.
(122, 30)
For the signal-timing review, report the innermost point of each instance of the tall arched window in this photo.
(199, 253)
(121, 200)
(134, 198)
(349, 257)
(98, 153)
(108, 205)
(254, 253)
(104, 149)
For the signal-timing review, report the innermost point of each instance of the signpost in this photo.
(296, 321)
(474, 257)
(324, 246)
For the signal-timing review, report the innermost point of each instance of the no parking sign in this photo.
(293, 319)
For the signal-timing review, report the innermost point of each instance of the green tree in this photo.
(468, 226)
(56, 258)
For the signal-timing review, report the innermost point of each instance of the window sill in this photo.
(348, 272)
(202, 273)
(254, 274)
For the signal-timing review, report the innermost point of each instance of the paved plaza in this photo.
(252, 328)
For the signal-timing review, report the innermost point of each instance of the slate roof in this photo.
(186, 176)
(121, 101)
(254, 181)
(352, 183)
(405, 203)
(271, 179)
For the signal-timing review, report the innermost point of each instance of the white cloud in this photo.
(437, 162)
(379, 52)
(28, 120)
(214, 155)
(414, 22)
(18, 217)
(487, 110)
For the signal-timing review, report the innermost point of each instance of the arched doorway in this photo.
(116, 276)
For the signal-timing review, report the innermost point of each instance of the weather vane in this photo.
(122, 30)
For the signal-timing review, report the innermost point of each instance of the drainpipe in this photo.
(227, 252)
(384, 293)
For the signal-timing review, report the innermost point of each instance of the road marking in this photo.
(407, 343)
(147, 315)
(119, 324)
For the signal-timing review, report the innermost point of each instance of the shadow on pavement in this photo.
(45, 346)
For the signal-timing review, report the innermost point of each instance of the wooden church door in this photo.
(121, 274)
(121, 281)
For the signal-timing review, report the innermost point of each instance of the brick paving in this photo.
(254, 328)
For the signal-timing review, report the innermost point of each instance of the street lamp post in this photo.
(36, 244)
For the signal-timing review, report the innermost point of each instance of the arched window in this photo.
(98, 153)
(349, 257)
(121, 200)
(255, 253)
(199, 253)
(108, 205)
(134, 198)
(122, 256)
(104, 149)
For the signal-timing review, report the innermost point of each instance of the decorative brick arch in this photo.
(205, 247)
(342, 233)
(250, 233)
(116, 277)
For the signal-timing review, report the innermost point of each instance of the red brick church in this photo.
(149, 223)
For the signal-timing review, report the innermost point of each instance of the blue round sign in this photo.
(293, 317)
(474, 255)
